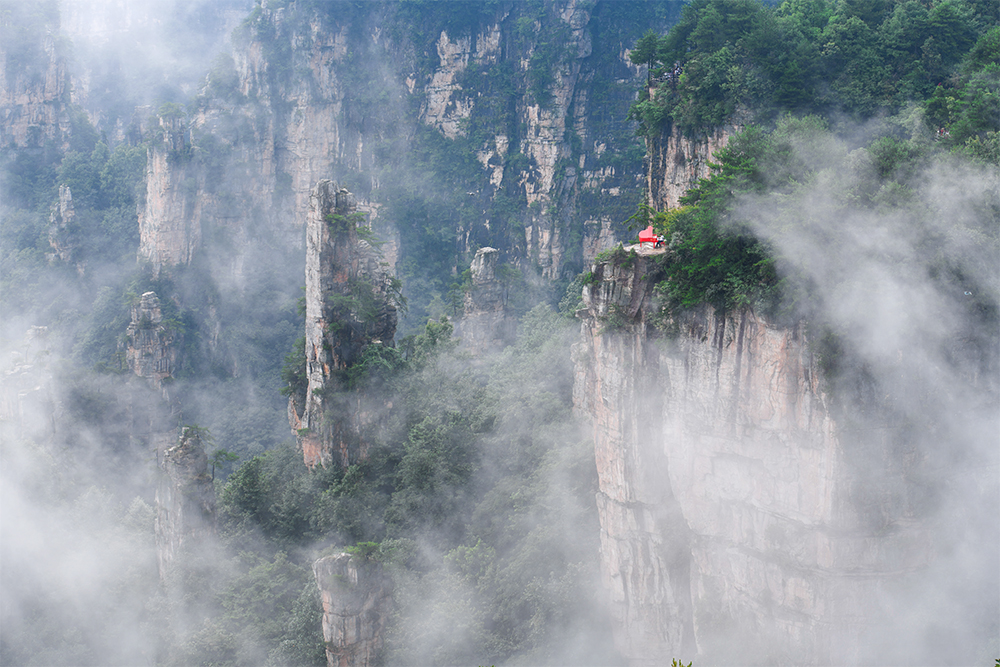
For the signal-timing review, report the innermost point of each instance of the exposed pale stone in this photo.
(729, 507)
(150, 352)
(34, 100)
(598, 237)
(185, 499)
(484, 324)
(357, 601)
(677, 162)
(293, 130)
(63, 234)
(440, 109)
(343, 274)
(170, 222)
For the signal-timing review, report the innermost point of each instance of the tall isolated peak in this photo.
(350, 304)
(151, 350)
(185, 500)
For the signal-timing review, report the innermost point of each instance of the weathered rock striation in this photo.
(302, 109)
(34, 83)
(63, 232)
(484, 323)
(150, 351)
(357, 601)
(171, 218)
(350, 304)
(731, 513)
(185, 499)
(677, 162)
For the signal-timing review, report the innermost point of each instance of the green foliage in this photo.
(805, 56)
(546, 59)
(293, 372)
(221, 458)
(357, 307)
(617, 319)
(966, 107)
(616, 256)
(223, 80)
(714, 258)
(263, 609)
(511, 578)
(378, 365)
(340, 224)
(645, 51)
(714, 255)
(106, 188)
(365, 550)
(481, 466)
(100, 343)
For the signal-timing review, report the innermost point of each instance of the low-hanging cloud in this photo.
(906, 277)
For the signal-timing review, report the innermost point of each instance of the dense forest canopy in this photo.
(739, 60)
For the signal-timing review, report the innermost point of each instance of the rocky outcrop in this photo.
(677, 162)
(732, 515)
(484, 324)
(63, 233)
(317, 97)
(150, 351)
(170, 221)
(185, 499)
(34, 84)
(350, 305)
(357, 601)
(28, 405)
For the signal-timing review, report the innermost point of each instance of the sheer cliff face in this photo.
(34, 84)
(321, 95)
(63, 231)
(731, 516)
(349, 306)
(150, 352)
(185, 499)
(677, 162)
(170, 221)
(484, 324)
(357, 601)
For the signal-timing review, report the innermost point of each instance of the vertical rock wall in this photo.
(730, 515)
(302, 112)
(63, 232)
(357, 601)
(349, 306)
(185, 499)
(677, 162)
(150, 352)
(484, 324)
(171, 218)
(34, 84)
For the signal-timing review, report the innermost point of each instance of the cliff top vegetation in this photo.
(868, 101)
(730, 60)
